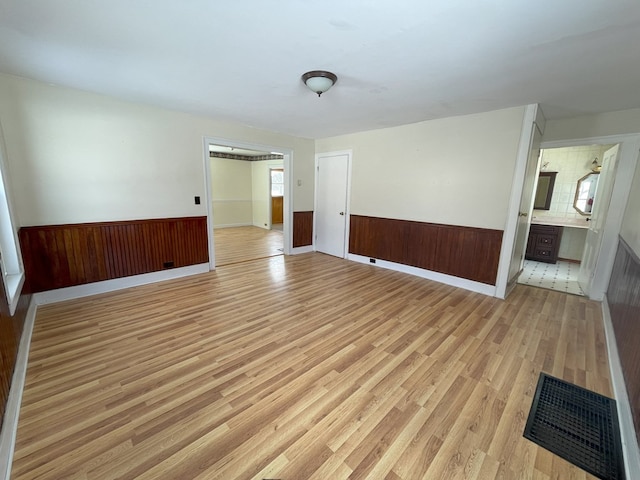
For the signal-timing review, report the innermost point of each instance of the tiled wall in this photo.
(571, 163)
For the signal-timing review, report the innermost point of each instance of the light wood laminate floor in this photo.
(241, 244)
(295, 368)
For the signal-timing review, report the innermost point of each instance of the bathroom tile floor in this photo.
(561, 276)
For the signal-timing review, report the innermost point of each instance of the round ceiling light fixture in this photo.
(319, 81)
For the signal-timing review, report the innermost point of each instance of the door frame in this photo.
(529, 123)
(347, 212)
(287, 154)
(627, 160)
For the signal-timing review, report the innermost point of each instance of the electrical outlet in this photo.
(372, 260)
(168, 265)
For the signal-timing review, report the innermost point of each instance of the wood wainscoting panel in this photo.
(58, 256)
(302, 229)
(623, 296)
(465, 252)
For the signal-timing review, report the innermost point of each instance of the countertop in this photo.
(561, 222)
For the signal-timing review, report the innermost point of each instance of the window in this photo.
(277, 183)
(10, 258)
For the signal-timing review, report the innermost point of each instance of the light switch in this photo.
(299, 182)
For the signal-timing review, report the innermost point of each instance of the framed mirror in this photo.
(544, 191)
(585, 193)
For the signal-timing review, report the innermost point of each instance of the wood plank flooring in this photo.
(241, 244)
(304, 367)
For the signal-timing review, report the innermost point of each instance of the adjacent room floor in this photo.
(300, 367)
(561, 276)
(242, 244)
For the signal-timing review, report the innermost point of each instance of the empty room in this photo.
(311, 240)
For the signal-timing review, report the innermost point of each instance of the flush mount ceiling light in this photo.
(319, 80)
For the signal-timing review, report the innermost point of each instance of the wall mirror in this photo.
(544, 191)
(585, 193)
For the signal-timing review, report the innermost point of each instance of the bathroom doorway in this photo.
(566, 229)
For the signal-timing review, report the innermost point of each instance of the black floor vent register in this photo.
(578, 425)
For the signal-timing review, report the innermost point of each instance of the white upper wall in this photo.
(585, 126)
(81, 157)
(611, 123)
(231, 192)
(456, 171)
(230, 179)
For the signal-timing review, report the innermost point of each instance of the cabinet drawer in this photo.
(543, 253)
(546, 240)
(545, 229)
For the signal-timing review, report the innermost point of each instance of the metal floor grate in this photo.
(578, 425)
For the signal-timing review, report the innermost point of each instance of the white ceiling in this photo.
(397, 62)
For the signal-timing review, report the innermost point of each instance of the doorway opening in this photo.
(240, 201)
(570, 205)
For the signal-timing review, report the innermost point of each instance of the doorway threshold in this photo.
(561, 276)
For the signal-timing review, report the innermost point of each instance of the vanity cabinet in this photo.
(544, 243)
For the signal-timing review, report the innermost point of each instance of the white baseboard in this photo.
(69, 293)
(630, 447)
(430, 275)
(305, 249)
(12, 411)
(231, 225)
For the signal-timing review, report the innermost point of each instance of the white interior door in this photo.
(526, 208)
(332, 171)
(601, 202)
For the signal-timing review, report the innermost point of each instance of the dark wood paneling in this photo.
(59, 256)
(623, 296)
(465, 252)
(10, 332)
(302, 229)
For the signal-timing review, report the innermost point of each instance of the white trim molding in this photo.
(233, 225)
(630, 448)
(12, 411)
(78, 291)
(470, 285)
(305, 249)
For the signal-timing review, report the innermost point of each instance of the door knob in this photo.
(341, 213)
